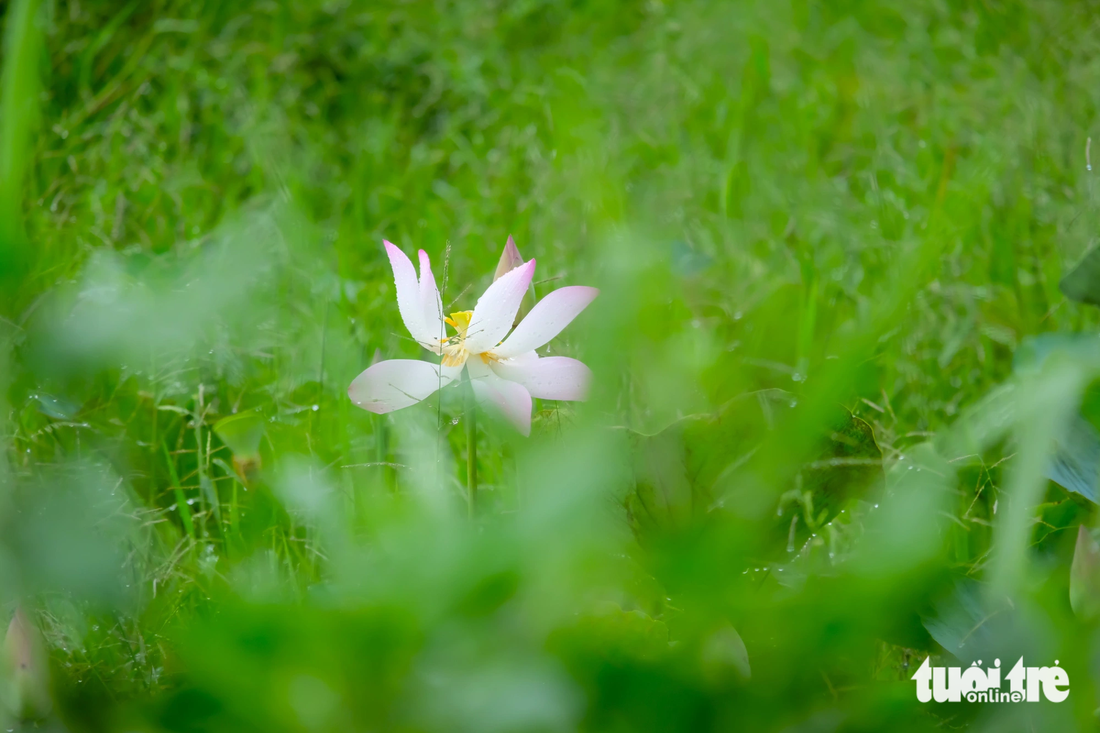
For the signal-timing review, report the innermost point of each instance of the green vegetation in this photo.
(833, 366)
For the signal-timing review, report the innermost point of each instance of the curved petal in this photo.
(431, 306)
(511, 398)
(496, 309)
(547, 319)
(408, 295)
(396, 383)
(548, 377)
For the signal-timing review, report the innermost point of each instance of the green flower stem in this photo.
(471, 450)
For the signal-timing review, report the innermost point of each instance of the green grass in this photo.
(788, 207)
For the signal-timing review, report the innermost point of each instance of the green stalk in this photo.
(471, 450)
(382, 455)
(181, 498)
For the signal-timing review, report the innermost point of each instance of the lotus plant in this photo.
(501, 362)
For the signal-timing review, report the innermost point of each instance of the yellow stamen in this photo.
(460, 321)
(454, 348)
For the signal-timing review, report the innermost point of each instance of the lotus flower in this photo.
(503, 368)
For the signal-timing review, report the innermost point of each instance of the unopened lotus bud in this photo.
(25, 673)
(1084, 577)
(510, 259)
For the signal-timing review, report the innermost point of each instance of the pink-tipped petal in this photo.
(431, 306)
(548, 378)
(408, 295)
(547, 319)
(510, 398)
(396, 383)
(496, 309)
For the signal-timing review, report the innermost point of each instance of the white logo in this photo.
(952, 684)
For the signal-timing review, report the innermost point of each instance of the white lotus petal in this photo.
(548, 377)
(396, 383)
(431, 306)
(547, 319)
(408, 294)
(496, 309)
(510, 398)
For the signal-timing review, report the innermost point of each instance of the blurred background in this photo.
(842, 416)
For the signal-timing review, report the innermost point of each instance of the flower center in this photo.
(454, 348)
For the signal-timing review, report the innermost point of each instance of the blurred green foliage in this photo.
(821, 232)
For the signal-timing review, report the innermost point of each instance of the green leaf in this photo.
(242, 433)
(1083, 281)
(1075, 465)
(723, 653)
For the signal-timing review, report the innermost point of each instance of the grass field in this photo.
(832, 364)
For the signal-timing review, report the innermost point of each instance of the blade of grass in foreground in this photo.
(19, 86)
(1045, 406)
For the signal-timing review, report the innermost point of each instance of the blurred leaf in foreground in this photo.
(71, 531)
(1075, 465)
(724, 653)
(1035, 350)
(127, 308)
